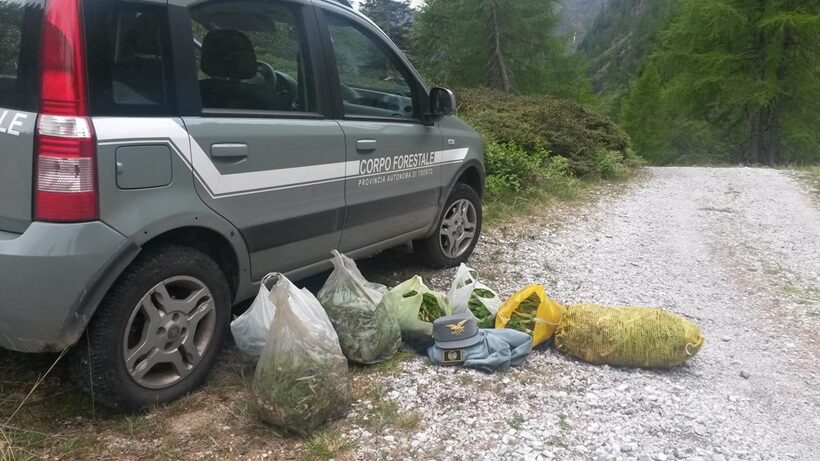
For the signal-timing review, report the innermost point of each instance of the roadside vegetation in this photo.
(812, 175)
(541, 149)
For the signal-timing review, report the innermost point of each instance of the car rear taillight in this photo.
(66, 173)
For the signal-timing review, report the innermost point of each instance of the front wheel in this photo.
(457, 230)
(157, 332)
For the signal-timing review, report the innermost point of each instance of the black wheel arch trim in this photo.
(448, 188)
(472, 163)
(86, 304)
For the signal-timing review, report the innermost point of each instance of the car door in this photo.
(392, 185)
(265, 155)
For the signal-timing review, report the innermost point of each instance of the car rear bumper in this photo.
(52, 277)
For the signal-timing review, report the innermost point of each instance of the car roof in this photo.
(345, 4)
(340, 2)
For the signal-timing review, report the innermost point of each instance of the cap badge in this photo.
(457, 329)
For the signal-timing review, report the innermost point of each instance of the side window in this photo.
(374, 82)
(128, 59)
(252, 55)
(20, 24)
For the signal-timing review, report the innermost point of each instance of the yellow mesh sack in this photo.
(532, 311)
(628, 336)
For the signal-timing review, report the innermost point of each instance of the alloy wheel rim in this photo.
(458, 228)
(168, 332)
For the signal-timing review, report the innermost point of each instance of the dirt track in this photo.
(736, 250)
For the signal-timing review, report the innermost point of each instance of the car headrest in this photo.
(142, 37)
(228, 54)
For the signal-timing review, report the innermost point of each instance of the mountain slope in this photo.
(620, 38)
(577, 17)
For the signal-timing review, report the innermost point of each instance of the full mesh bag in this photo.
(467, 294)
(368, 331)
(627, 337)
(301, 380)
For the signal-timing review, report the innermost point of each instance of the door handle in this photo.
(366, 146)
(229, 151)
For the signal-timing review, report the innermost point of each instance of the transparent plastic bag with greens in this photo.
(368, 331)
(467, 294)
(301, 380)
(415, 307)
(250, 330)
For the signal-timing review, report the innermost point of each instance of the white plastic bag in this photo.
(368, 331)
(467, 294)
(301, 380)
(250, 330)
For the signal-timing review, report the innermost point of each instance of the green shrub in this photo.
(559, 168)
(610, 165)
(544, 124)
(511, 169)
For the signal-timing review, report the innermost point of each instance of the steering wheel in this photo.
(285, 91)
(268, 73)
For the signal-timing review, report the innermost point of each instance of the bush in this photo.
(559, 168)
(610, 165)
(510, 168)
(540, 124)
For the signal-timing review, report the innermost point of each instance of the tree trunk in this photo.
(499, 75)
(773, 135)
(752, 155)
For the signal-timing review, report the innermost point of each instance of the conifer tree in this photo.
(644, 117)
(751, 68)
(509, 45)
(394, 17)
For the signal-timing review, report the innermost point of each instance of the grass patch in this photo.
(391, 366)
(516, 422)
(409, 421)
(811, 174)
(18, 444)
(326, 445)
(503, 208)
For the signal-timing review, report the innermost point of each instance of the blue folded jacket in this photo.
(498, 349)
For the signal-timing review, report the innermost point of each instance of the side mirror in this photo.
(442, 103)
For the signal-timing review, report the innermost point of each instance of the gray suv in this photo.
(158, 158)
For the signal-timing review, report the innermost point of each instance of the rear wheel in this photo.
(457, 230)
(157, 332)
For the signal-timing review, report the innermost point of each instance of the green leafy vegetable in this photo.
(430, 309)
(523, 319)
(486, 319)
(301, 393)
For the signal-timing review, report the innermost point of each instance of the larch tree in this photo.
(752, 68)
(643, 116)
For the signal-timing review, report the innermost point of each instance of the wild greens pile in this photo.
(301, 393)
(486, 319)
(430, 308)
(301, 379)
(523, 318)
(368, 332)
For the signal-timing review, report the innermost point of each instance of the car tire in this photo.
(168, 312)
(461, 217)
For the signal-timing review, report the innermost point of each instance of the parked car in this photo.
(158, 158)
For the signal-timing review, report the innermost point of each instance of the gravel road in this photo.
(736, 250)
